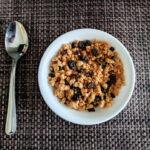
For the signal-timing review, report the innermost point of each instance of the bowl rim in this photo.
(117, 111)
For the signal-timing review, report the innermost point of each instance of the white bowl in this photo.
(100, 115)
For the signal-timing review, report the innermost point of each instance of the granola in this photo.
(86, 74)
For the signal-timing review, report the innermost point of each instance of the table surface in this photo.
(38, 127)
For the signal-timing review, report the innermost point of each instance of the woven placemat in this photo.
(38, 127)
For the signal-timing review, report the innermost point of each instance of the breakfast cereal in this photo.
(86, 74)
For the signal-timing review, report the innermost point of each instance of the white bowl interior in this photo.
(100, 115)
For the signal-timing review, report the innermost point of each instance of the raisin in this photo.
(74, 45)
(74, 76)
(72, 64)
(89, 74)
(76, 90)
(66, 82)
(112, 48)
(101, 62)
(64, 52)
(95, 104)
(113, 58)
(52, 74)
(94, 52)
(77, 76)
(81, 70)
(91, 85)
(104, 90)
(97, 98)
(112, 95)
(91, 109)
(71, 87)
(87, 43)
(61, 68)
(112, 79)
(111, 72)
(104, 97)
(82, 45)
(83, 58)
(77, 53)
(75, 97)
(58, 79)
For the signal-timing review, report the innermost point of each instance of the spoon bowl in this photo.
(16, 40)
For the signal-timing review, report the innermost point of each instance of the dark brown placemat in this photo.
(38, 127)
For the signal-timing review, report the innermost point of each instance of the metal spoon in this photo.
(16, 44)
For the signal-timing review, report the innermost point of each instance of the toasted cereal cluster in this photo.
(86, 74)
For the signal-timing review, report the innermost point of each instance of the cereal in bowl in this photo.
(86, 74)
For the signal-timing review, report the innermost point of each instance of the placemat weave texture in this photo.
(38, 127)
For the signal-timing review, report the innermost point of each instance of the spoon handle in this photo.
(10, 126)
